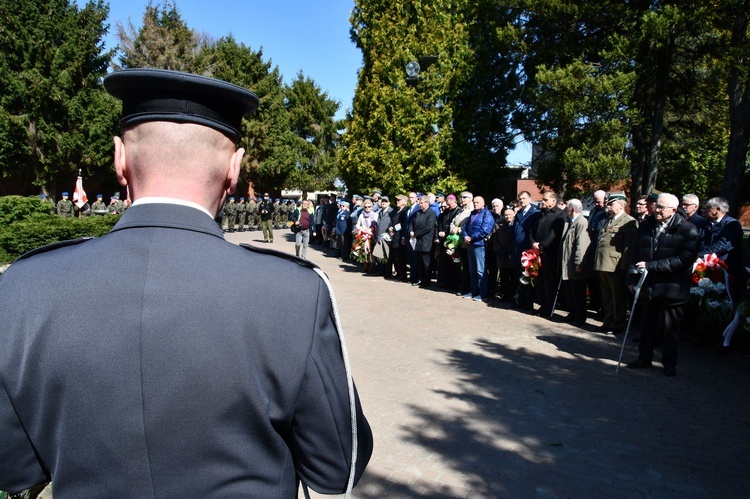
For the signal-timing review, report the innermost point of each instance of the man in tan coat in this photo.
(616, 237)
(575, 268)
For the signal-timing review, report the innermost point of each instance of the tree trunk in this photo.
(739, 112)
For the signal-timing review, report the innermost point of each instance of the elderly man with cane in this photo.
(666, 246)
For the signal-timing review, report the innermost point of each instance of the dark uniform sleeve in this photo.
(321, 433)
(19, 467)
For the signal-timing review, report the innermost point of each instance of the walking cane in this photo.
(638, 287)
(554, 304)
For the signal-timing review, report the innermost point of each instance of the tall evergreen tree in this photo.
(55, 117)
(399, 136)
(311, 115)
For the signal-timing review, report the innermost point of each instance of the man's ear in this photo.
(233, 171)
(120, 163)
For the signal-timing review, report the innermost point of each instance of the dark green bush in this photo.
(18, 208)
(40, 228)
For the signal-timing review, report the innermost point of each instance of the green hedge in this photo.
(28, 224)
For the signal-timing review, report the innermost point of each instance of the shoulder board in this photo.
(286, 256)
(54, 246)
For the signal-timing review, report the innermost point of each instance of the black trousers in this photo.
(422, 260)
(576, 297)
(660, 316)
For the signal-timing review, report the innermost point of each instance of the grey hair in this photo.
(575, 204)
(718, 202)
(498, 200)
(692, 199)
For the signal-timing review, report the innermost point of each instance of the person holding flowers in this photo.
(364, 231)
(724, 238)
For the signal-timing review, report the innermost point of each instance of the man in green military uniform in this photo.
(113, 208)
(266, 211)
(230, 215)
(276, 213)
(612, 257)
(65, 206)
(241, 215)
(99, 208)
(250, 210)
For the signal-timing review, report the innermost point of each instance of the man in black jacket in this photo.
(422, 228)
(666, 246)
(545, 238)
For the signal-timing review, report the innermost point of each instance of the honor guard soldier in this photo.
(171, 396)
(65, 206)
(241, 215)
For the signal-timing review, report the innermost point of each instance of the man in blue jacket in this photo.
(474, 233)
(526, 218)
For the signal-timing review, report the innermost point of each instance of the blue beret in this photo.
(99, 195)
(65, 193)
(150, 94)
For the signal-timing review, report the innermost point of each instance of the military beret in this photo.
(150, 94)
(616, 196)
(242, 199)
(99, 196)
(65, 193)
(439, 194)
(231, 198)
(654, 195)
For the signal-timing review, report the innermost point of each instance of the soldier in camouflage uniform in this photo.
(113, 208)
(276, 213)
(230, 215)
(99, 208)
(241, 215)
(250, 211)
(65, 206)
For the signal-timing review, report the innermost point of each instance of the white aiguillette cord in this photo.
(349, 383)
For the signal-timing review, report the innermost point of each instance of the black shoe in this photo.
(670, 371)
(638, 364)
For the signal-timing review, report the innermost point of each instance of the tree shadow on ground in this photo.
(518, 423)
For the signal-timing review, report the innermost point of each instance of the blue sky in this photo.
(311, 36)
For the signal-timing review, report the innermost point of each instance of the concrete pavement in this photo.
(471, 400)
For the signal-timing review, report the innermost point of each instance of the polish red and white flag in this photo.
(79, 195)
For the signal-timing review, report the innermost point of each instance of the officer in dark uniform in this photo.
(171, 396)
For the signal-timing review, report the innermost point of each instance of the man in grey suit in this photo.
(166, 392)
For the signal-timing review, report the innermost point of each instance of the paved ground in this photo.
(471, 400)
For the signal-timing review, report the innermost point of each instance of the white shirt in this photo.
(163, 200)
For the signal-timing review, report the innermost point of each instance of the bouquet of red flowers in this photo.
(710, 287)
(361, 247)
(531, 263)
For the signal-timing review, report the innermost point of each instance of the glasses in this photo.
(689, 204)
(465, 197)
(662, 207)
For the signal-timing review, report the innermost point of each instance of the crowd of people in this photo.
(543, 256)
